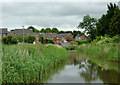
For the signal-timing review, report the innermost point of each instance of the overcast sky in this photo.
(63, 15)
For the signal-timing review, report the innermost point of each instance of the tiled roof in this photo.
(48, 35)
(60, 35)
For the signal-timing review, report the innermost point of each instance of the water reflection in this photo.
(91, 72)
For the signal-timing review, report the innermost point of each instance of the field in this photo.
(26, 63)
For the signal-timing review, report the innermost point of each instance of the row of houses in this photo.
(57, 38)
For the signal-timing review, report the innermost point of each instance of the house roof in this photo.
(60, 35)
(48, 35)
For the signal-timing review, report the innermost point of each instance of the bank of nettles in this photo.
(103, 47)
(26, 63)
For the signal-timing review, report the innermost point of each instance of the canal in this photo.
(78, 69)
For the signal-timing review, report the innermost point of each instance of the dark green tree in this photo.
(47, 30)
(114, 25)
(54, 30)
(103, 22)
(42, 30)
(61, 32)
(89, 24)
(33, 29)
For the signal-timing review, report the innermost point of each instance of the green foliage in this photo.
(107, 51)
(33, 29)
(41, 38)
(10, 39)
(20, 38)
(89, 24)
(114, 24)
(70, 47)
(54, 30)
(75, 33)
(48, 41)
(27, 63)
(105, 39)
(47, 30)
(42, 30)
(81, 41)
(29, 38)
(103, 23)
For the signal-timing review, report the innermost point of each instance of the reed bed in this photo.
(26, 63)
(108, 51)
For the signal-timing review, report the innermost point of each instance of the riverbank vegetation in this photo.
(104, 47)
(24, 63)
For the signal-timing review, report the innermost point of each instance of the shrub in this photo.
(10, 39)
(29, 38)
(48, 41)
(20, 38)
(81, 41)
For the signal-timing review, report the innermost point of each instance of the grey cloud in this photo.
(50, 14)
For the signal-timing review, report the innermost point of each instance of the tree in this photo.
(103, 22)
(75, 33)
(114, 25)
(89, 24)
(33, 29)
(42, 30)
(47, 30)
(61, 32)
(54, 30)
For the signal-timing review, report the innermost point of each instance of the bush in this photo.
(48, 41)
(29, 38)
(10, 39)
(81, 41)
(70, 48)
(20, 38)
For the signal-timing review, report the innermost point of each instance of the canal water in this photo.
(81, 70)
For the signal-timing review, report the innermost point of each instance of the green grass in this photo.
(0, 62)
(26, 63)
(107, 51)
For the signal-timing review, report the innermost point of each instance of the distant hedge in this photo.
(81, 41)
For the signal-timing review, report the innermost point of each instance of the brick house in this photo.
(58, 38)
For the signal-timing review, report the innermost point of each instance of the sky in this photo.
(64, 15)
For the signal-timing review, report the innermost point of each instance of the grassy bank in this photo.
(26, 63)
(107, 51)
(104, 63)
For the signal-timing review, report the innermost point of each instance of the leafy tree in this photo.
(47, 30)
(61, 32)
(33, 29)
(103, 22)
(75, 33)
(114, 25)
(54, 30)
(42, 30)
(89, 24)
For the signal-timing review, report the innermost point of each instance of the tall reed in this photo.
(26, 63)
